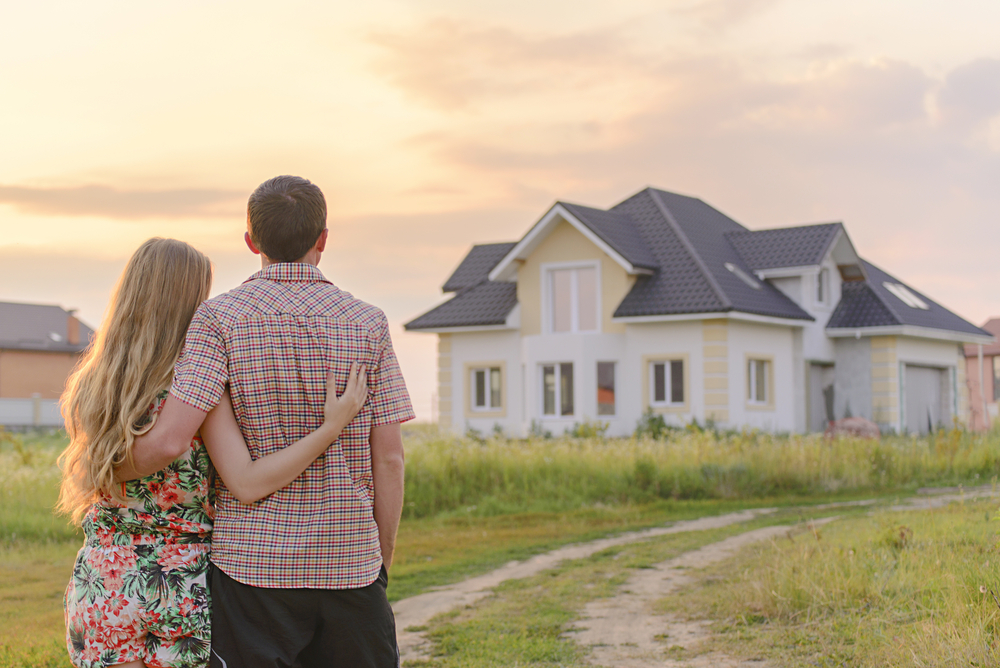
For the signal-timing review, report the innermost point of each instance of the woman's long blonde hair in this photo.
(130, 361)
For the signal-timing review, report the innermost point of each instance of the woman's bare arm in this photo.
(250, 480)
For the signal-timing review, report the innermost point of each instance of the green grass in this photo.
(472, 506)
(893, 589)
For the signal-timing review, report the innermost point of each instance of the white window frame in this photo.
(547, 309)
(558, 388)
(597, 388)
(751, 369)
(667, 383)
(489, 407)
(905, 295)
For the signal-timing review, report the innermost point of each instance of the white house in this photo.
(664, 303)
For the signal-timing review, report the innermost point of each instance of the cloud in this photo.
(108, 202)
(971, 93)
(722, 14)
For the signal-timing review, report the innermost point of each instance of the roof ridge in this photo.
(689, 248)
(789, 227)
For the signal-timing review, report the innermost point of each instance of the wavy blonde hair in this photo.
(130, 361)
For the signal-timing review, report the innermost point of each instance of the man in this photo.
(299, 578)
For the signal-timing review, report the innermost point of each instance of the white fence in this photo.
(34, 412)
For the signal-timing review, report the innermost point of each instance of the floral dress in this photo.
(139, 588)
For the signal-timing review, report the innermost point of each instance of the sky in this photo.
(434, 125)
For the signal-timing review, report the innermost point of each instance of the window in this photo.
(743, 276)
(573, 299)
(486, 389)
(905, 295)
(822, 285)
(996, 378)
(666, 383)
(758, 391)
(605, 388)
(557, 389)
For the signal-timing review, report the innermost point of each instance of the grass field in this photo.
(474, 505)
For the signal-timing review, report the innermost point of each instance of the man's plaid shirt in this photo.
(273, 339)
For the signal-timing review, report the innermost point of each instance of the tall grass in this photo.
(501, 475)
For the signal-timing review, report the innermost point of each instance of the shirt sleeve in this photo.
(201, 373)
(387, 389)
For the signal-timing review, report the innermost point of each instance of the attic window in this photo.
(904, 295)
(743, 276)
(55, 337)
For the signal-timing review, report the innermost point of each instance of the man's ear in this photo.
(321, 241)
(253, 249)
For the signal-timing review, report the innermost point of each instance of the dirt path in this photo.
(417, 611)
(624, 631)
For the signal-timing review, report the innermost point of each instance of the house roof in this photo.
(39, 327)
(801, 246)
(993, 327)
(688, 239)
(696, 260)
(476, 266)
(485, 304)
(869, 303)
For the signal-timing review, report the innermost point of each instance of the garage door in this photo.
(927, 399)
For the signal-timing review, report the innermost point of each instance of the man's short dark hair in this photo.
(285, 216)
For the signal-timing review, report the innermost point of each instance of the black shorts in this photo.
(256, 627)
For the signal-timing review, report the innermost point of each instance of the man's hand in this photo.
(169, 438)
(387, 475)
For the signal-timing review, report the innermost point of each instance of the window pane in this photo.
(494, 388)
(480, 377)
(659, 384)
(996, 378)
(760, 385)
(586, 291)
(820, 279)
(677, 382)
(605, 388)
(549, 390)
(566, 388)
(751, 375)
(561, 313)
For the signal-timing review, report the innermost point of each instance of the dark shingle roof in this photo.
(38, 327)
(870, 304)
(476, 266)
(688, 239)
(618, 231)
(784, 247)
(487, 303)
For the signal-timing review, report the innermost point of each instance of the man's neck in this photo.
(312, 257)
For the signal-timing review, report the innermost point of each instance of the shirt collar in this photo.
(290, 272)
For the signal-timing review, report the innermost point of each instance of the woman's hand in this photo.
(339, 411)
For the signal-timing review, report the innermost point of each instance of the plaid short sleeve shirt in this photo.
(273, 339)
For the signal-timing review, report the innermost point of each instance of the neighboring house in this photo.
(664, 303)
(983, 371)
(39, 346)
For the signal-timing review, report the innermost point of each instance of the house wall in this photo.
(25, 373)
(648, 342)
(885, 379)
(777, 344)
(977, 418)
(566, 244)
(469, 349)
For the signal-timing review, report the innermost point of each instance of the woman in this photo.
(138, 594)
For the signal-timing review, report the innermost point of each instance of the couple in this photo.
(237, 511)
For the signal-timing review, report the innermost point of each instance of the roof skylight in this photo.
(743, 276)
(904, 295)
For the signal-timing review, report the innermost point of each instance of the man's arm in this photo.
(169, 438)
(387, 475)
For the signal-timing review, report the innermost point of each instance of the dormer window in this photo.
(573, 299)
(822, 286)
(904, 295)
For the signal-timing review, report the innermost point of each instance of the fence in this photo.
(34, 412)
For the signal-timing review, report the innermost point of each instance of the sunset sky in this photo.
(437, 124)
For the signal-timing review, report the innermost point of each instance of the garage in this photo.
(927, 393)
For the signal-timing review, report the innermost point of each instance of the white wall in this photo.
(665, 338)
(778, 343)
(478, 347)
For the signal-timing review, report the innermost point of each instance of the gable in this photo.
(566, 245)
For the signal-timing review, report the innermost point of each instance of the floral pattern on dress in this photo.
(139, 588)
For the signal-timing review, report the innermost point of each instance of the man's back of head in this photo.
(285, 217)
